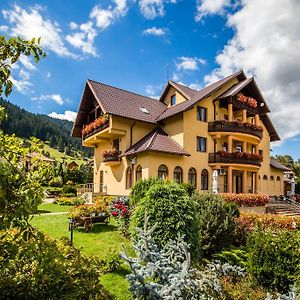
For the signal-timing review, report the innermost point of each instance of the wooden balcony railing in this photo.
(235, 158)
(94, 131)
(94, 188)
(111, 156)
(239, 127)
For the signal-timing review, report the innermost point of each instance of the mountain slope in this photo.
(25, 124)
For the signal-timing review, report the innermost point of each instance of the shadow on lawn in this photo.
(100, 228)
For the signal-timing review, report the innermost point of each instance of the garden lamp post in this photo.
(71, 229)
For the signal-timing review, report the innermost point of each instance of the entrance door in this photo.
(238, 183)
(101, 182)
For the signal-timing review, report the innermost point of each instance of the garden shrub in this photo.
(246, 199)
(274, 258)
(34, 266)
(190, 189)
(54, 191)
(236, 256)
(168, 205)
(56, 182)
(106, 198)
(140, 189)
(119, 209)
(217, 223)
(68, 195)
(86, 210)
(69, 189)
(111, 262)
(69, 201)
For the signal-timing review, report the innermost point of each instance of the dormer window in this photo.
(173, 100)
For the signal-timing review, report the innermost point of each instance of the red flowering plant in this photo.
(119, 209)
(246, 199)
(99, 122)
(241, 98)
(251, 102)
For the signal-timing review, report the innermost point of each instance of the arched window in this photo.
(204, 179)
(128, 178)
(278, 178)
(272, 177)
(265, 177)
(192, 177)
(178, 174)
(162, 172)
(138, 173)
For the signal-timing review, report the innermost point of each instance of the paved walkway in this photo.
(53, 213)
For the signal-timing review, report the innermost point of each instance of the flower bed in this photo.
(86, 210)
(110, 154)
(246, 199)
(100, 122)
(249, 221)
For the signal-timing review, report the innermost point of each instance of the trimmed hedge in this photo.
(246, 199)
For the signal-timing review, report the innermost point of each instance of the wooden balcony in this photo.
(112, 158)
(238, 127)
(95, 131)
(235, 158)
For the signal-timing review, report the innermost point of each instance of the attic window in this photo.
(144, 110)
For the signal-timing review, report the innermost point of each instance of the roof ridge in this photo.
(183, 85)
(122, 89)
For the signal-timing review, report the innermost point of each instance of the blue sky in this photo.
(130, 44)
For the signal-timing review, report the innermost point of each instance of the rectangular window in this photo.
(201, 144)
(173, 100)
(116, 144)
(201, 114)
(239, 148)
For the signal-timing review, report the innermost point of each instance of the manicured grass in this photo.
(51, 207)
(102, 240)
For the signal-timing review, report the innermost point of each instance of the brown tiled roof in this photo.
(158, 141)
(236, 88)
(205, 92)
(275, 164)
(126, 104)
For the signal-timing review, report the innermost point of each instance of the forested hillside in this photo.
(25, 124)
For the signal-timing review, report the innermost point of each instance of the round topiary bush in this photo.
(217, 223)
(168, 206)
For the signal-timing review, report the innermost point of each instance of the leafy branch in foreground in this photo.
(10, 51)
(167, 273)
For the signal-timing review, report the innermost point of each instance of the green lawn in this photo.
(102, 240)
(51, 207)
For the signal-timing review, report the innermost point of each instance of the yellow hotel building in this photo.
(183, 136)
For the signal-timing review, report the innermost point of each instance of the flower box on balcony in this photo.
(97, 125)
(111, 155)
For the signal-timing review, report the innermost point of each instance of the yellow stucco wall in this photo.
(179, 97)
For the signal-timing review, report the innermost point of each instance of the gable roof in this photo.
(123, 103)
(199, 95)
(185, 91)
(158, 141)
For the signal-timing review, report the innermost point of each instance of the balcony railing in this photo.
(111, 156)
(235, 158)
(239, 127)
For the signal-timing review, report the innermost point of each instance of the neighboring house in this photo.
(38, 156)
(184, 136)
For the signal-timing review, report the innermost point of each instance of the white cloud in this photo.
(3, 28)
(195, 86)
(31, 23)
(83, 39)
(266, 44)
(153, 8)
(106, 17)
(25, 61)
(48, 75)
(189, 63)
(21, 84)
(67, 115)
(209, 7)
(55, 97)
(155, 31)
